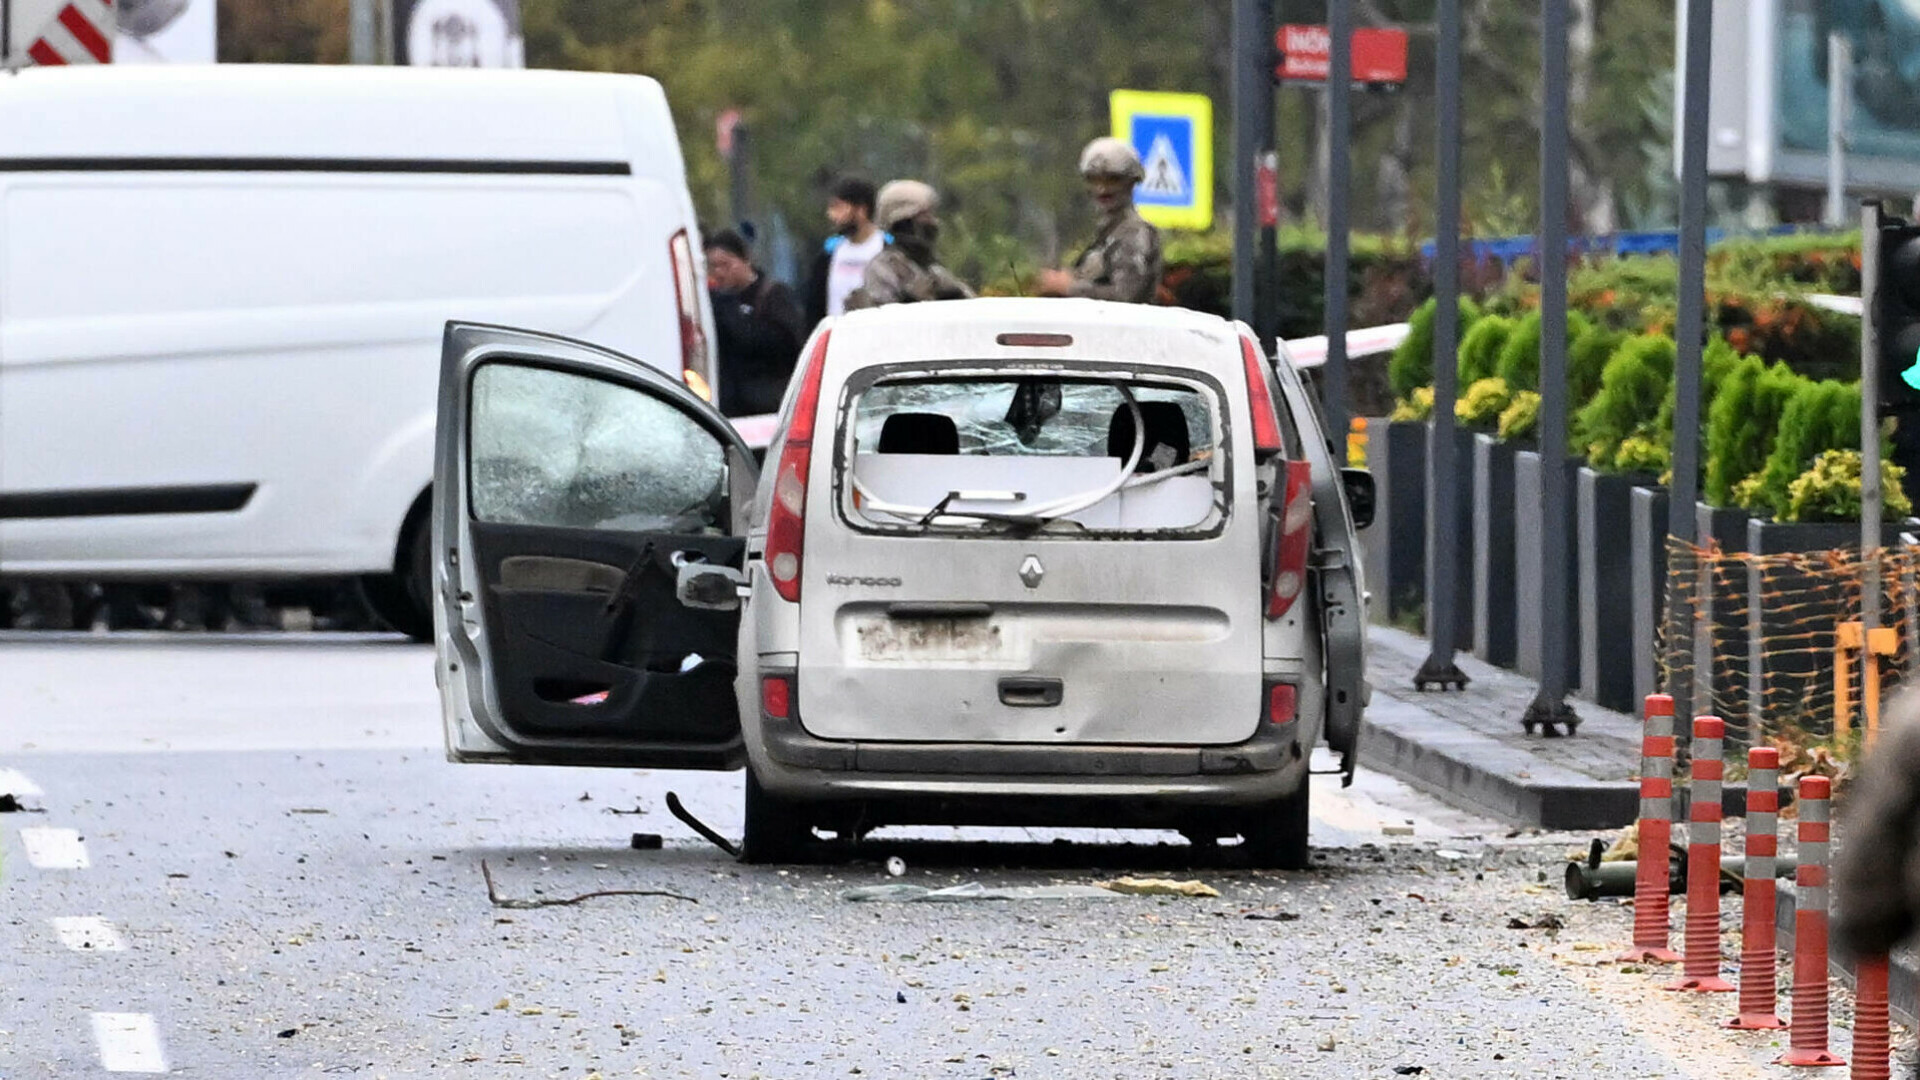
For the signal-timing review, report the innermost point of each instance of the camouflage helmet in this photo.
(903, 199)
(1108, 156)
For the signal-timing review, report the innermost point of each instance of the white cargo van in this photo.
(224, 288)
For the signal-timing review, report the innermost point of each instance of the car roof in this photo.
(1101, 330)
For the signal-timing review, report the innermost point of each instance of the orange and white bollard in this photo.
(1701, 970)
(1757, 931)
(1872, 1046)
(1808, 1042)
(1656, 836)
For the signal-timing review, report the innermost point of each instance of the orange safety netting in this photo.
(1772, 644)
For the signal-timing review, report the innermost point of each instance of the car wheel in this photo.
(776, 830)
(403, 601)
(1274, 835)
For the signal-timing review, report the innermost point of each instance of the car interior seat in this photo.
(1168, 443)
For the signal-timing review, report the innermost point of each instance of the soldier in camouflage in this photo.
(1123, 262)
(906, 271)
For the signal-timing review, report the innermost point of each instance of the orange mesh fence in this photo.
(1772, 643)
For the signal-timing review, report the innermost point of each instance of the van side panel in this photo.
(165, 331)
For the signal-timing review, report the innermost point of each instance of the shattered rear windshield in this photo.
(1045, 452)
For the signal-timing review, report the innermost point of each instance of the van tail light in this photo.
(1283, 703)
(787, 520)
(1266, 419)
(694, 356)
(776, 697)
(1294, 536)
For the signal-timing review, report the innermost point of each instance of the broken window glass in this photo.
(564, 450)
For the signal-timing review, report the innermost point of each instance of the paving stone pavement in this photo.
(1607, 747)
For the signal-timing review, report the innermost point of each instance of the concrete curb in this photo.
(1903, 975)
(1467, 769)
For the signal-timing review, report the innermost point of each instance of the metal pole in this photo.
(1260, 116)
(1839, 85)
(1690, 325)
(1869, 427)
(1251, 86)
(363, 47)
(1443, 490)
(1339, 174)
(1549, 707)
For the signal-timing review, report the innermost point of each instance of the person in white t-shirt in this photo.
(842, 264)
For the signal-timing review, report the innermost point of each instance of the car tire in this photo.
(403, 600)
(776, 830)
(1273, 835)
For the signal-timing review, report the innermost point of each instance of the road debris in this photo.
(686, 817)
(1133, 886)
(896, 866)
(1549, 921)
(499, 901)
(1327, 1042)
(647, 841)
(1273, 916)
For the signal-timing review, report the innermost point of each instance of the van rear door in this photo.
(989, 569)
(570, 486)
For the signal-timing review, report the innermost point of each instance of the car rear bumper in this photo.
(791, 763)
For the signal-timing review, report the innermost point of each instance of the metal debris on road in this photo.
(647, 841)
(499, 901)
(686, 818)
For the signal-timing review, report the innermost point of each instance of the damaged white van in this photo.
(1014, 562)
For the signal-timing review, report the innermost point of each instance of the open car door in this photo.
(1336, 570)
(570, 485)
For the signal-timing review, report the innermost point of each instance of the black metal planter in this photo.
(1604, 504)
(1647, 554)
(1493, 595)
(1528, 497)
(1396, 544)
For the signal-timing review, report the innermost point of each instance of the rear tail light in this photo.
(787, 520)
(1292, 540)
(1266, 420)
(776, 697)
(694, 356)
(1283, 702)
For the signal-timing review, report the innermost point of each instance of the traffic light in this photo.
(1896, 293)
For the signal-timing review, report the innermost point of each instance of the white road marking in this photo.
(14, 782)
(129, 1042)
(88, 933)
(55, 849)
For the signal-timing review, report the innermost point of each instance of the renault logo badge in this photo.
(1031, 571)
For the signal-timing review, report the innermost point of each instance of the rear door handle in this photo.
(1030, 693)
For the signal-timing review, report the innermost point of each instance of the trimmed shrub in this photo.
(1741, 424)
(1522, 417)
(1412, 363)
(1519, 362)
(1633, 386)
(1641, 454)
(1480, 348)
(1586, 358)
(1415, 406)
(1482, 404)
(1830, 490)
(1821, 416)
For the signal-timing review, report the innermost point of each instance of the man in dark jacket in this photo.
(758, 326)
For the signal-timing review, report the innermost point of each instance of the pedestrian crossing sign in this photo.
(1173, 134)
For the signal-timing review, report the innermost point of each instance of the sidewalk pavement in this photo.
(1467, 747)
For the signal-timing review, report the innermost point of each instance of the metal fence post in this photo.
(1550, 708)
(1443, 464)
(1339, 179)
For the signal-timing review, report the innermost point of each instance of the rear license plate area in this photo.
(922, 638)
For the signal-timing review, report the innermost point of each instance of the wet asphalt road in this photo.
(293, 870)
